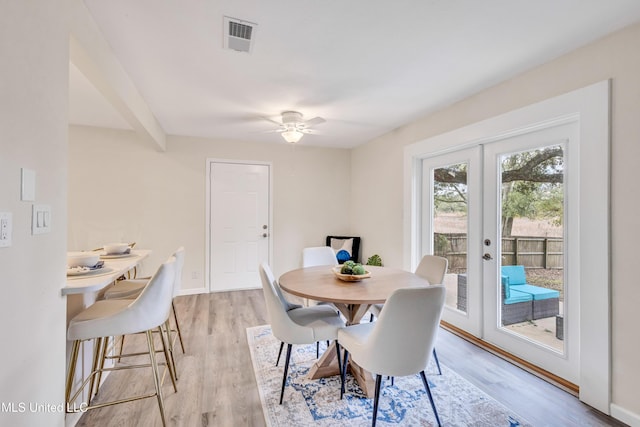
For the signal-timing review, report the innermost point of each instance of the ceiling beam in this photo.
(92, 55)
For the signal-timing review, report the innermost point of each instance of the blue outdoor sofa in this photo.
(518, 293)
(516, 306)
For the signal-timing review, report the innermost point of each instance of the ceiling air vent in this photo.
(238, 34)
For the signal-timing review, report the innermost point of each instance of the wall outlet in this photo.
(195, 275)
(6, 226)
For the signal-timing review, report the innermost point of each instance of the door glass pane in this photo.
(531, 257)
(450, 225)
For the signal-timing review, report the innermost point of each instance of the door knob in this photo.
(264, 234)
(487, 257)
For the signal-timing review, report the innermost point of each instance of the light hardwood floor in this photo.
(217, 387)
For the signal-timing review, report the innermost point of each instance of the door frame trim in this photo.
(592, 105)
(207, 251)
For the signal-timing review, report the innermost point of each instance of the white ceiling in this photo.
(366, 66)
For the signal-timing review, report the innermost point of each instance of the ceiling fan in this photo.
(293, 127)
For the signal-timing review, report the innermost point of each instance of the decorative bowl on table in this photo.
(82, 259)
(116, 248)
(350, 277)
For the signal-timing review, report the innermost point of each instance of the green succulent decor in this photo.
(375, 260)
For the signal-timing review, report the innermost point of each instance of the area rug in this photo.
(317, 402)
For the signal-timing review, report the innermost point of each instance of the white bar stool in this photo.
(122, 317)
(130, 289)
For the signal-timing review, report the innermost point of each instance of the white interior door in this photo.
(239, 214)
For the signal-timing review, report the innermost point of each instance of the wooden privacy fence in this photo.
(532, 252)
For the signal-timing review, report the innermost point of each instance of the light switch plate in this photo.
(28, 189)
(6, 227)
(41, 219)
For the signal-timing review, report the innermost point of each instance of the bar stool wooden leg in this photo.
(97, 342)
(156, 376)
(121, 347)
(100, 368)
(175, 318)
(168, 358)
(170, 340)
(72, 369)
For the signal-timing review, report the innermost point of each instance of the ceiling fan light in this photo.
(292, 135)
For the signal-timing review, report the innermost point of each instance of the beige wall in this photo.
(120, 189)
(614, 57)
(33, 134)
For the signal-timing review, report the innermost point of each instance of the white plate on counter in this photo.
(115, 256)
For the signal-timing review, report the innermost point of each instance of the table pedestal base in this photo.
(327, 366)
(365, 380)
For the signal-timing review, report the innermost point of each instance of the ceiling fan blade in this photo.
(310, 131)
(271, 120)
(314, 121)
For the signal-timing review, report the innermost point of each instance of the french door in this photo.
(501, 207)
(452, 227)
(529, 177)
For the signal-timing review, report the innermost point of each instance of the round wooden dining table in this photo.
(353, 299)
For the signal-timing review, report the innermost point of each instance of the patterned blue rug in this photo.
(317, 402)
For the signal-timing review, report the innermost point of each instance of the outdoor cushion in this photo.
(536, 292)
(517, 296)
(515, 274)
(506, 287)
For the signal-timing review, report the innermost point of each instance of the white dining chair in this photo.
(287, 306)
(433, 268)
(130, 289)
(318, 255)
(312, 257)
(400, 342)
(304, 325)
(107, 318)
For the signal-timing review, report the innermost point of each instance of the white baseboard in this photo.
(248, 288)
(624, 415)
(193, 291)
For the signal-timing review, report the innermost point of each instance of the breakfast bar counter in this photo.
(114, 267)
